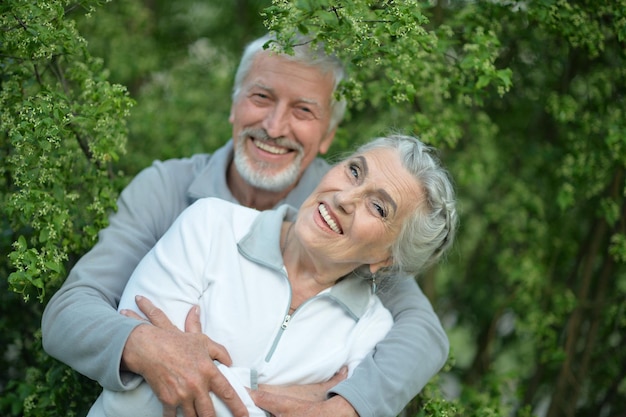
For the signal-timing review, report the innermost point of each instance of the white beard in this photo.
(259, 174)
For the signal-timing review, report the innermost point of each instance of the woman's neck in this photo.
(307, 276)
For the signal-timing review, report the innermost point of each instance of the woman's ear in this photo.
(378, 265)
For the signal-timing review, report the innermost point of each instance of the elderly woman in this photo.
(292, 297)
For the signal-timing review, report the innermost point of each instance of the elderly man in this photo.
(283, 114)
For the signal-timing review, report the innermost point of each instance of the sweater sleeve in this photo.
(80, 324)
(413, 351)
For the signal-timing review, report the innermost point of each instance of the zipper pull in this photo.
(285, 322)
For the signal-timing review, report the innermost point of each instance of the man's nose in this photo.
(276, 122)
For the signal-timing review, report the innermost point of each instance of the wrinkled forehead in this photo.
(277, 72)
(272, 59)
(385, 169)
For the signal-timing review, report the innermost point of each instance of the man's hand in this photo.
(178, 365)
(282, 406)
(304, 400)
(309, 392)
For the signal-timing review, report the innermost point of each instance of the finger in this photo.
(219, 353)
(192, 322)
(222, 388)
(204, 407)
(131, 314)
(273, 403)
(341, 375)
(189, 410)
(169, 411)
(154, 314)
(216, 351)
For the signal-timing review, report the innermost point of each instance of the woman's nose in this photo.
(345, 201)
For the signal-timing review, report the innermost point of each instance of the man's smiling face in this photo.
(280, 121)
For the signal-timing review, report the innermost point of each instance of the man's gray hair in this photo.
(428, 233)
(306, 53)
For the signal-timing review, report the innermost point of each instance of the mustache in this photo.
(261, 134)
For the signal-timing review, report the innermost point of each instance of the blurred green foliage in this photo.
(526, 101)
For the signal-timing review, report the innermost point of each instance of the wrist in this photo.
(341, 407)
(133, 353)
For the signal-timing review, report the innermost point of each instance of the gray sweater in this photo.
(82, 328)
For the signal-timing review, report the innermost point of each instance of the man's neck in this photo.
(250, 196)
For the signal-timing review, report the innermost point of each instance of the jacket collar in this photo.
(211, 178)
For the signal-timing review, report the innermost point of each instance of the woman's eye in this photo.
(380, 209)
(354, 170)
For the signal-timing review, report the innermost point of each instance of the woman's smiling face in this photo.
(357, 211)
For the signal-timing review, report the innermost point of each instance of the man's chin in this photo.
(262, 176)
(271, 183)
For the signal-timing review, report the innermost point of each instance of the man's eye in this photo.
(304, 113)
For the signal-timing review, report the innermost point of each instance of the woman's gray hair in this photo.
(304, 52)
(429, 232)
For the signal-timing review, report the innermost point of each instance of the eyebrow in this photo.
(310, 101)
(261, 86)
(383, 192)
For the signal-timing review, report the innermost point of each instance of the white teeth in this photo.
(269, 148)
(331, 223)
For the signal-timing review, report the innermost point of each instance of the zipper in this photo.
(284, 324)
(287, 319)
(282, 329)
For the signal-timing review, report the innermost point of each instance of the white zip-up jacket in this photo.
(226, 258)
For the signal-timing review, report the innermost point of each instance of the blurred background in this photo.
(525, 100)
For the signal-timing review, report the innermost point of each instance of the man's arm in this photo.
(413, 351)
(81, 326)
